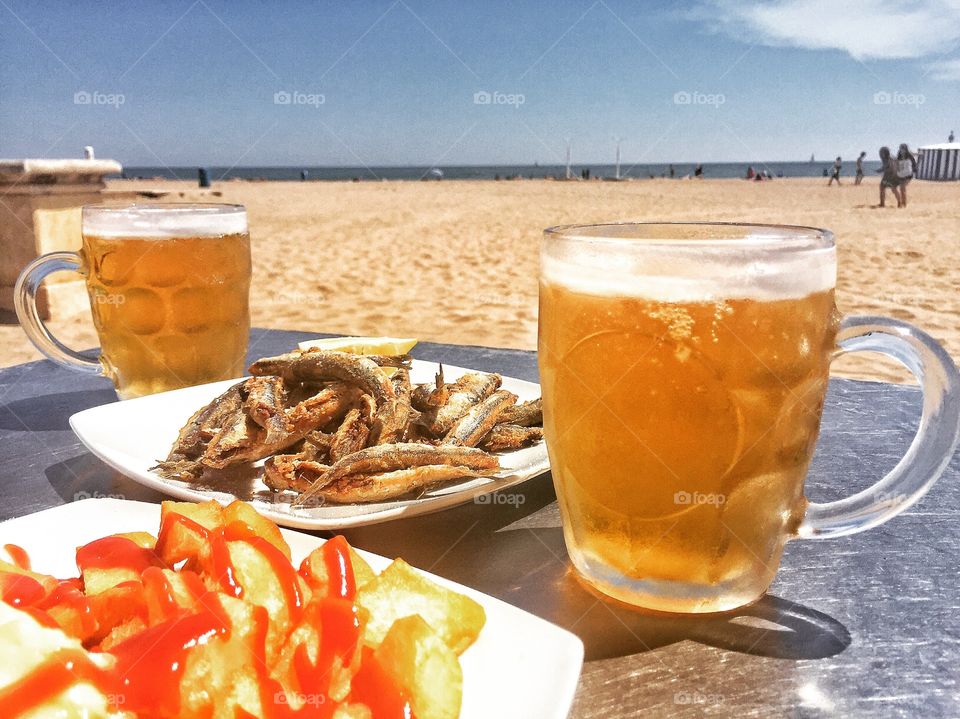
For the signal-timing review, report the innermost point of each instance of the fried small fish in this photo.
(467, 391)
(385, 458)
(479, 420)
(361, 488)
(280, 472)
(506, 437)
(393, 415)
(526, 414)
(264, 404)
(425, 397)
(316, 365)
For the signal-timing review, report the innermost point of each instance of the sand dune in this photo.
(457, 261)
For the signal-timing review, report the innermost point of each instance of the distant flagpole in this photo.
(569, 174)
(619, 140)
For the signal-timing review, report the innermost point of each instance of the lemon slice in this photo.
(362, 345)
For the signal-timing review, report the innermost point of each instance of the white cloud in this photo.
(945, 70)
(866, 29)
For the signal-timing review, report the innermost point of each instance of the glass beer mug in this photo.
(684, 369)
(169, 293)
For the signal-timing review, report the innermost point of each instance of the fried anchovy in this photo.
(393, 416)
(392, 457)
(203, 425)
(426, 398)
(479, 420)
(353, 431)
(510, 436)
(527, 414)
(246, 441)
(280, 472)
(464, 393)
(388, 485)
(317, 365)
(265, 405)
(404, 361)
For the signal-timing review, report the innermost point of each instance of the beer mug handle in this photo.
(25, 303)
(932, 447)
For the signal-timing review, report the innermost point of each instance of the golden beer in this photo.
(170, 307)
(680, 428)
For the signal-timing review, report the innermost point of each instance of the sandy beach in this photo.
(456, 261)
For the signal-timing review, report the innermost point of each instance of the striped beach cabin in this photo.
(939, 162)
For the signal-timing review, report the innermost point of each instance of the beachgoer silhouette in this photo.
(888, 167)
(906, 168)
(835, 175)
(860, 168)
(698, 171)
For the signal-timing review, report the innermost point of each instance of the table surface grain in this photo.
(867, 625)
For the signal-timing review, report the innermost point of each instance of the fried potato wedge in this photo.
(401, 591)
(421, 662)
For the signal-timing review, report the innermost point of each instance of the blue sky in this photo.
(396, 82)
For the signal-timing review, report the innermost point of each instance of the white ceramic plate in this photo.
(132, 436)
(521, 666)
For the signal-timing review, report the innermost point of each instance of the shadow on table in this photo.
(514, 550)
(82, 477)
(50, 412)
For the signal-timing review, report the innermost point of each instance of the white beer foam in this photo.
(165, 221)
(673, 277)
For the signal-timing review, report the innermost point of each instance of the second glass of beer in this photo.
(684, 369)
(169, 292)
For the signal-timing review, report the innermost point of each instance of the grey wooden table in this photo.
(862, 626)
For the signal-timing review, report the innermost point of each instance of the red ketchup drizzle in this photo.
(18, 555)
(68, 594)
(336, 556)
(157, 587)
(56, 674)
(115, 553)
(150, 664)
(377, 689)
(19, 590)
(283, 570)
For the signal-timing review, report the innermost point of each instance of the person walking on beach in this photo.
(906, 168)
(888, 167)
(860, 168)
(835, 175)
(698, 171)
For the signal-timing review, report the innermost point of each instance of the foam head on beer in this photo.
(683, 374)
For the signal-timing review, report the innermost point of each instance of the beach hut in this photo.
(939, 162)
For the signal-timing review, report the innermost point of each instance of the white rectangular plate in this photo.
(132, 436)
(521, 666)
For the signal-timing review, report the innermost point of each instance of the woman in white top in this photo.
(906, 168)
